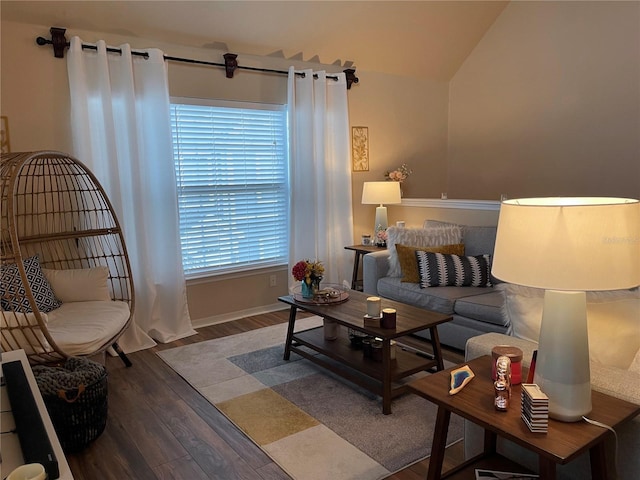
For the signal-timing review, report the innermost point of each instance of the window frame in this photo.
(238, 269)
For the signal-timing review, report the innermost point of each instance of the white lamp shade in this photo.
(379, 193)
(569, 243)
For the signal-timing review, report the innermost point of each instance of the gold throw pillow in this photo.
(409, 263)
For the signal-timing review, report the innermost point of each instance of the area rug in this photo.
(315, 425)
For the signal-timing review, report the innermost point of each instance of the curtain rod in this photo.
(60, 43)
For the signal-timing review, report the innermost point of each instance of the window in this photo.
(231, 164)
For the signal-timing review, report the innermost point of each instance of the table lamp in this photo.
(379, 193)
(567, 246)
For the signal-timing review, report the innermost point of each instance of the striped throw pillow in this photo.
(442, 270)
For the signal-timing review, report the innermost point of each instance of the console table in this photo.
(562, 444)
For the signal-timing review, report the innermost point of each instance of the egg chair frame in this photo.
(52, 206)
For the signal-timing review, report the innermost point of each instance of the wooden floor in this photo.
(159, 427)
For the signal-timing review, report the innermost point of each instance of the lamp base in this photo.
(381, 219)
(562, 367)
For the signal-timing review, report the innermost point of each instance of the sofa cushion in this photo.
(486, 307)
(635, 364)
(613, 326)
(409, 262)
(440, 299)
(418, 237)
(441, 270)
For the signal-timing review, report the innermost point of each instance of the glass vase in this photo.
(307, 290)
(310, 289)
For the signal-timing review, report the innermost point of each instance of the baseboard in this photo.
(229, 317)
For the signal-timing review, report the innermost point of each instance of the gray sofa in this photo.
(475, 310)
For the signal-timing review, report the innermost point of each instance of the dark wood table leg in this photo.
(386, 377)
(439, 444)
(437, 349)
(598, 458)
(547, 469)
(292, 322)
(354, 276)
(490, 442)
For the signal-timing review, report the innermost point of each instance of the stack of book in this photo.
(535, 408)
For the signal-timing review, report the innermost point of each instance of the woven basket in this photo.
(76, 398)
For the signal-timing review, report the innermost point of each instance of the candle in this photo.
(373, 306)
(388, 318)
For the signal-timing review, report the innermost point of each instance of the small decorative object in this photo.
(370, 321)
(360, 148)
(381, 236)
(330, 329)
(400, 174)
(388, 318)
(373, 306)
(459, 378)
(515, 355)
(502, 385)
(532, 366)
(400, 224)
(356, 337)
(376, 350)
(366, 347)
(30, 471)
(310, 274)
(535, 408)
(366, 240)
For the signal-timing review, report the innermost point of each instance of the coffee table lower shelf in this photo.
(351, 364)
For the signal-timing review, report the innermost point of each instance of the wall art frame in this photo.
(360, 149)
(5, 146)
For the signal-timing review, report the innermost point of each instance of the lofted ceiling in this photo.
(425, 39)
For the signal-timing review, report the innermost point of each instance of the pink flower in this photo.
(400, 174)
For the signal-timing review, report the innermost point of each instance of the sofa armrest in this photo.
(374, 266)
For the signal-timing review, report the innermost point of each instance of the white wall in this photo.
(548, 103)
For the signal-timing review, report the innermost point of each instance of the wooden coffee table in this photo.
(378, 377)
(560, 445)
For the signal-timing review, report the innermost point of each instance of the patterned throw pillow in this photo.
(441, 270)
(14, 295)
(409, 263)
(418, 237)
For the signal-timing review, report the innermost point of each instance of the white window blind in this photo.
(231, 168)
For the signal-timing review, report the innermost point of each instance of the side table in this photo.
(560, 445)
(360, 250)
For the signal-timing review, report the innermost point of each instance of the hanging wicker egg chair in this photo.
(66, 285)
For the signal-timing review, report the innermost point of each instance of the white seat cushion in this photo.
(79, 328)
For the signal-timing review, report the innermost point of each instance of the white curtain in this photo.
(321, 213)
(121, 131)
